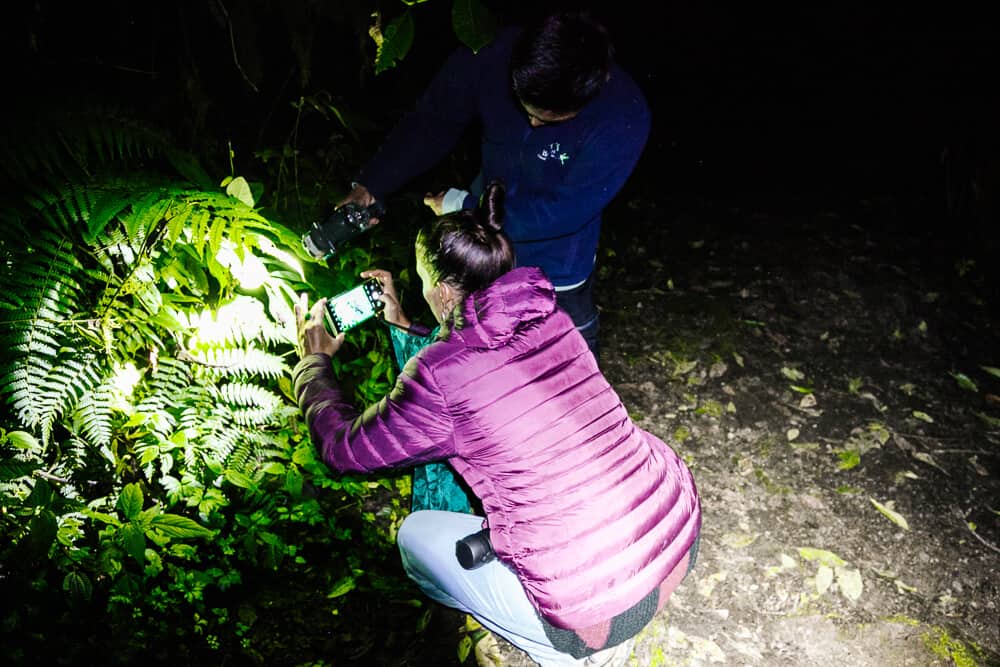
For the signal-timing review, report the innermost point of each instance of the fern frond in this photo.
(94, 414)
(55, 389)
(229, 362)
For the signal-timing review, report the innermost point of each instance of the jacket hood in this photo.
(491, 316)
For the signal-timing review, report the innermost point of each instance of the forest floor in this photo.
(832, 380)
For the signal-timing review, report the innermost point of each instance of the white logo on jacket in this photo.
(553, 152)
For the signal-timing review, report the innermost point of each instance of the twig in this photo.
(49, 477)
(232, 43)
(979, 537)
(964, 451)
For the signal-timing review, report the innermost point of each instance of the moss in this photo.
(958, 652)
(768, 485)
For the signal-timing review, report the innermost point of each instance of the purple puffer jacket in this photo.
(591, 512)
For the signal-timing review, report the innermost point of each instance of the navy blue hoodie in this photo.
(558, 177)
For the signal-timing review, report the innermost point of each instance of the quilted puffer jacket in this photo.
(591, 512)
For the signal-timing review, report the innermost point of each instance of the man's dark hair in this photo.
(560, 63)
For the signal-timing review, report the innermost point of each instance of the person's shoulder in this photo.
(622, 88)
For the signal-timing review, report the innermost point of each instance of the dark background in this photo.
(831, 103)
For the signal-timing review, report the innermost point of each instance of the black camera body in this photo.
(475, 550)
(342, 225)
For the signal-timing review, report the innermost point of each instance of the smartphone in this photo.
(351, 308)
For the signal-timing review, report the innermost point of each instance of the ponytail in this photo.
(468, 249)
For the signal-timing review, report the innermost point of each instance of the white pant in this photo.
(492, 593)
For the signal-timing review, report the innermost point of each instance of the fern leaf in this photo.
(94, 414)
(222, 362)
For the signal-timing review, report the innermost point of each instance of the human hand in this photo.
(312, 334)
(392, 311)
(359, 195)
(435, 202)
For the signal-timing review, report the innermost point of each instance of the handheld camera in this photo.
(342, 225)
(350, 308)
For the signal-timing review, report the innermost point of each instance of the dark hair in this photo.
(561, 62)
(468, 248)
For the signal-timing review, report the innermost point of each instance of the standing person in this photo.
(593, 521)
(562, 126)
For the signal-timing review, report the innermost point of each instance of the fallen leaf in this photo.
(929, 460)
(792, 374)
(891, 514)
(824, 557)
(738, 540)
(965, 382)
(992, 370)
(824, 578)
(488, 652)
(791, 434)
(849, 582)
(974, 462)
(923, 416)
(808, 401)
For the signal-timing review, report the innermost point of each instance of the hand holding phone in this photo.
(351, 308)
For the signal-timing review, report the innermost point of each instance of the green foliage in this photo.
(151, 453)
(471, 21)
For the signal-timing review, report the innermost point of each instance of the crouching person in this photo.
(593, 521)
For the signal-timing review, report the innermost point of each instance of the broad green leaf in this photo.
(822, 556)
(965, 382)
(101, 516)
(238, 188)
(849, 582)
(394, 42)
(78, 586)
(179, 527)
(238, 479)
(133, 541)
(23, 440)
(130, 501)
(42, 531)
(923, 416)
(891, 514)
(342, 587)
(473, 23)
(40, 496)
(464, 648)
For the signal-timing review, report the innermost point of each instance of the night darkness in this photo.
(837, 100)
(791, 148)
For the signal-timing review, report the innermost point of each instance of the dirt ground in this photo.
(831, 380)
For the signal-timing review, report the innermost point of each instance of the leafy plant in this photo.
(152, 456)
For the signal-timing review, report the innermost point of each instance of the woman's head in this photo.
(464, 251)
